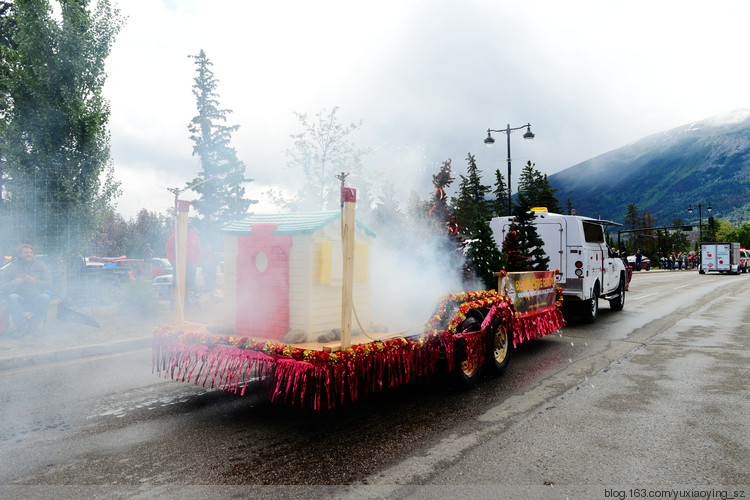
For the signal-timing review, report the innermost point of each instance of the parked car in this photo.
(744, 260)
(163, 286)
(645, 262)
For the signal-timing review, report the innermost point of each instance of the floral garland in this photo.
(317, 378)
(467, 301)
(283, 350)
(432, 330)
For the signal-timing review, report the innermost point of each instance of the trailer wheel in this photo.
(467, 368)
(591, 306)
(618, 302)
(499, 347)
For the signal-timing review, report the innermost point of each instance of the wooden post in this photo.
(348, 199)
(181, 234)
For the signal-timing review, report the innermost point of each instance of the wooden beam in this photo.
(181, 234)
(348, 199)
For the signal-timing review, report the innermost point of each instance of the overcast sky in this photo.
(425, 78)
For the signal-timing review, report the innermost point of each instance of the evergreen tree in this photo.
(471, 198)
(529, 182)
(632, 218)
(439, 212)
(220, 182)
(569, 207)
(53, 137)
(514, 260)
(632, 221)
(388, 219)
(537, 189)
(484, 258)
(546, 196)
(531, 245)
(500, 205)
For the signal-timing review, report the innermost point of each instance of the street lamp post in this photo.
(700, 221)
(489, 141)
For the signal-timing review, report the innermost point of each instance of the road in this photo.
(654, 395)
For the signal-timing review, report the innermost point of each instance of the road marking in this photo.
(682, 286)
(643, 296)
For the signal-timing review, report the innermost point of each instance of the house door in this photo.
(263, 283)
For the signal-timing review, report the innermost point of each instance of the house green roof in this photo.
(295, 223)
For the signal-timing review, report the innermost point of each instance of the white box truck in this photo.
(576, 247)
(720, 257)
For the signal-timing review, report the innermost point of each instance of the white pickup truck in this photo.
(576, 247)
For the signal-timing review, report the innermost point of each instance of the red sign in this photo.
(348, 195)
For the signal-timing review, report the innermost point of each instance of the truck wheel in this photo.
(618, 302)
(499, 347)
(467, 368)
(591, 306)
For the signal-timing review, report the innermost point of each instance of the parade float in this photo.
(294, 286)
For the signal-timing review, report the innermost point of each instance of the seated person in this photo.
(25, 282)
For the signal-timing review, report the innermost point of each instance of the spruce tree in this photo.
(439, 212)
(531, 245)
(546, 196)
(569, 207)
(220, 182)
(484, 258)
(471, 198)
(500, 203)
(511, 250)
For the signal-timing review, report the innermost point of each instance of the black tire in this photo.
(591, 307)
(468, 371)
(618, 302)
(499, 347)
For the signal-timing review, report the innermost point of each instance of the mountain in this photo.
(706, 162)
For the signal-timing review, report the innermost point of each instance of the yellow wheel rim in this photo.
(469, 366)
(500, 344)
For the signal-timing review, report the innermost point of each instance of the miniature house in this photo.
(284, 272)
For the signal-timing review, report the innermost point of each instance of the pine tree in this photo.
(531, 245)
(220, 182)
(471, 197)
(439, 212)
(500, 204)
(529, 182)
(569, 207)
(546, 196)
(538, 191)
(514, 260)
(484, 258)
(632, 219)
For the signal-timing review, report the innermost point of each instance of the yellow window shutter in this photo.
(361, 263)
(326, 257)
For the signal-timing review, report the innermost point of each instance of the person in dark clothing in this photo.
(25, 281)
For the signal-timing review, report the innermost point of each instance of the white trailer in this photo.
(720, 257)
(576, 247)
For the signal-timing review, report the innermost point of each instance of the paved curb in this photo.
(78, 352)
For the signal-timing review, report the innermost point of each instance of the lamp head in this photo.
(489, 141)
(690, 209)
(709, 207)
(528, 135)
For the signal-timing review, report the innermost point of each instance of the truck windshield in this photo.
(594, 233)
